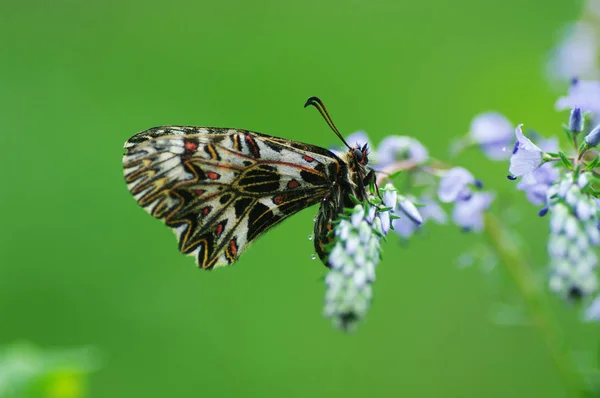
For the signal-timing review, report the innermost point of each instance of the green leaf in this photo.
(355, 200)
(576, 172)
(594, 193)
(593, 164)
(375, 200)
(582, 148)
(376, 232)
(565, 160)
(568, 132)
(394, 174)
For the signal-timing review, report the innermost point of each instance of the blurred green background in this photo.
(82, 264)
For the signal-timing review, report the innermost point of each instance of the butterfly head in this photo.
(360, 155)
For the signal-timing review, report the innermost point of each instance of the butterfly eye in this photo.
(358, 154)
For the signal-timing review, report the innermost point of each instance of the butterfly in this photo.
(221, 188)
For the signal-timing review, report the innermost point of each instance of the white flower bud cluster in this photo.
(356, 252)
(573, 235)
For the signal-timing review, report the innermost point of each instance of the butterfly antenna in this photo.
(317, 103)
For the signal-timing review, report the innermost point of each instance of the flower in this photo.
(410, 210)
(576, 121)
(400, 148)
(352, 261)
(593, 138)
(536, 187)
(409, 217)
(359, 138)
(390, 199)
(526, 156)
(405, 227)
(468, 213)
(494, 134)
(430, 210)
(548, 144)
(537, 184)
(582, 94)
(455, 184)
(573, 234)
(577, 53)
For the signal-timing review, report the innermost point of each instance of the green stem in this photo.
(533, 296)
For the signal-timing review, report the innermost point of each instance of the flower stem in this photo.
(533, 296)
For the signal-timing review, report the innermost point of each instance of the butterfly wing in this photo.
(219, 189)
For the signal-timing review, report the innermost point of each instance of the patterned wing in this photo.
(219, 189)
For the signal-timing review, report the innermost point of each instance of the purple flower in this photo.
(400, 148)
(577, 53)
(526, 156)
(539, 180)
(576, 121)
(455, 185)
(548, 144)
(359, 138)
(593, 138)
(468, 213)
(431, 210)
(494, 134)
(573, 237)
(582, 94)
(410, 218)
(410, 210)
(536, 187)
(405, 227)
(390, 199)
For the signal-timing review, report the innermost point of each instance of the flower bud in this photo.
(593, 138)
(410, 210)
(576, 121)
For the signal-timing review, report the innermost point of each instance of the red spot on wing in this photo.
(191, 146)
(233, 247)
(219, 229)
(293, 184)
(206, 210)
(212, 175)
(199, 191)
(279, 199)
(308, 158)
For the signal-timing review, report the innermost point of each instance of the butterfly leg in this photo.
(365, 182)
